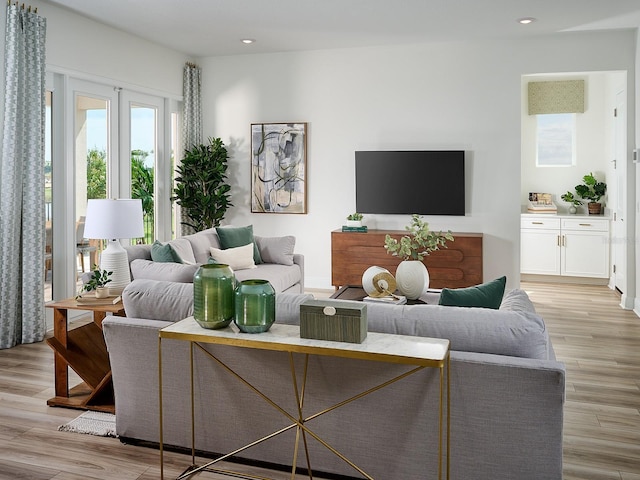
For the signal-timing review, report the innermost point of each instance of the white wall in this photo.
(84, 47)
(463, 96)
(593, 139)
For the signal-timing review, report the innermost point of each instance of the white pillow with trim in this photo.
(238, 258)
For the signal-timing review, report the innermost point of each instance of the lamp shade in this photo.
(114, 219)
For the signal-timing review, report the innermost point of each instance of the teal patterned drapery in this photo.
(192, 109)
(191, 120)
(22, 231)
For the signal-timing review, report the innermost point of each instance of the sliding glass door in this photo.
(109, 143)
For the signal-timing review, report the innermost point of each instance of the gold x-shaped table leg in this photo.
(299, 422)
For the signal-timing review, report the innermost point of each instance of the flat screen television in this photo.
(405, 182)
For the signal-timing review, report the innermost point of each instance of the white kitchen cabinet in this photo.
(569, 246)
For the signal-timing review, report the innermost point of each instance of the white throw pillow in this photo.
(238, 258)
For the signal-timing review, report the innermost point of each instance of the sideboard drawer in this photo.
(540, 223)
(587, 224)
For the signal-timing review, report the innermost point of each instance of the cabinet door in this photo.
(585, 254)
(540, 252)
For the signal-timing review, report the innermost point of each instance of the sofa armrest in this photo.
(158, 299)
(298, 259)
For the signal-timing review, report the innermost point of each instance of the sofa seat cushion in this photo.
(470, 329)
(281, 277)
(170, 272)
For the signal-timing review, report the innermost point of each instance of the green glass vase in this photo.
(213, 287)
(255, 306)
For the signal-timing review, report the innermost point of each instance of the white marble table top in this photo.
(377, 346)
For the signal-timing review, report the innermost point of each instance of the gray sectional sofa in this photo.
(507, 394)
(170, 283)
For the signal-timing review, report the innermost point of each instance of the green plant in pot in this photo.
(569, 197)
(355, 219)
(592, 190)
(97, 282)
(201, 185)
(412, 275)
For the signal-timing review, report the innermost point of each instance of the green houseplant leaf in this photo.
(201, 189)
(418, 243)
(591, 189)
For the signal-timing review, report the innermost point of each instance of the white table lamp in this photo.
(112, 219)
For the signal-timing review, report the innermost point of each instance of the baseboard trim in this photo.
(529, 277)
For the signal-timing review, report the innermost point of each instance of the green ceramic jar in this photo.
(255, 306)
(213, 287)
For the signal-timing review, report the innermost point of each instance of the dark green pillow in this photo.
(164, 253)
(232, 237)
(486, 295)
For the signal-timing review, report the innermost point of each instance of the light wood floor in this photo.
(598, 341)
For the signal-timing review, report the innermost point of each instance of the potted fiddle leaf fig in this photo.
(412, 276)
(593, 190)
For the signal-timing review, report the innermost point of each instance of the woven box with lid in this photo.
(336, 320)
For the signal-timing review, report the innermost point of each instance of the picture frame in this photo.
(279, 168)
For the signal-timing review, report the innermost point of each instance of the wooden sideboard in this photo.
(458, 265)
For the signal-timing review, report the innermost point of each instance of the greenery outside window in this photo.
(556, 140)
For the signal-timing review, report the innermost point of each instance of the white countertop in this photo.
(565, 214)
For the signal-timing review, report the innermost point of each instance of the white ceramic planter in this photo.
(354, 223)
(102, 292)
(412, 278)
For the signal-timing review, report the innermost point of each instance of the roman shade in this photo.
(565, 96)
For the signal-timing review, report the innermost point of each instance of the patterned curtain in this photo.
(191, 120)
(22, 233)
(192, 111)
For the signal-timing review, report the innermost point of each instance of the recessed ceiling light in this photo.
(247, 41)
(526, 20)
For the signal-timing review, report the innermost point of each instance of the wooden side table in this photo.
(84, 350)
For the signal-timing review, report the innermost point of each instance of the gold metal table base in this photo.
(299, 420)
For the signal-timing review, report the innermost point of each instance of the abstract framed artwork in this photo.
(278, 168)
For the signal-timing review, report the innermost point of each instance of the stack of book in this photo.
(541, 203)
(362, 229)
(391, 300)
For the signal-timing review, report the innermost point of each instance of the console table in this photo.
(458, 265)
(420, 352)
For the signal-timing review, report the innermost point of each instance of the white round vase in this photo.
(412, 278)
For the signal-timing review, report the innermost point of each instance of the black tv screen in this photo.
(406, 182)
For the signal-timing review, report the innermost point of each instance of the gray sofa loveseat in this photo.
(163, 290)
(507, 395)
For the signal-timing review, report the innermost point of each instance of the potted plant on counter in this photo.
(570, 198)
(593, 191)
(412, 275)
(355, 220)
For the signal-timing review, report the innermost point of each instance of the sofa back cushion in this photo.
(201, 242)
(481, 330)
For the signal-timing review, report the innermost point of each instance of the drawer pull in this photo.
(537, 223)
(585, 224)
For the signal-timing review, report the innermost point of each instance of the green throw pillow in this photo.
(164, 253)
(232, 237)
(486, 295)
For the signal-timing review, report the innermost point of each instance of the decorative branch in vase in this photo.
(412, 275)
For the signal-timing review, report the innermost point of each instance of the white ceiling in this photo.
(203, 28)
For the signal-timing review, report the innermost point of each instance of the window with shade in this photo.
(555, 105)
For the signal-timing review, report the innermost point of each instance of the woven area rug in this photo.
(92, 423)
